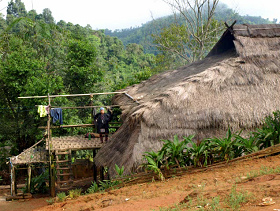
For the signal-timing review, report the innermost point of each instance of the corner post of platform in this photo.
(51, 163)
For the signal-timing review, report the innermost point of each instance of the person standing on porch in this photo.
(102, 120)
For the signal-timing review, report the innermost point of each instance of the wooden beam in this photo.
(81, 125)
(72, 95)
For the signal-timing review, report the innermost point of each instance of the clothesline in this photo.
(72, 95)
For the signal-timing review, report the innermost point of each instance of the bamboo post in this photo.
(94, 167)
(29, 178)
(92, 115)
(51, 164)
(13, 181)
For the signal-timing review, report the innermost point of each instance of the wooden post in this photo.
(29, 178)
(13, 182)
(101, 173)
(51, 163)
(94, 167)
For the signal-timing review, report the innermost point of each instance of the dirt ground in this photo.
(186, 192)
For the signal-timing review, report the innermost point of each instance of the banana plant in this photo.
(154, 162)
(175, 151)
(247, 145)
(269, 134)
(200, 153)
(119, 170)
(225, 146)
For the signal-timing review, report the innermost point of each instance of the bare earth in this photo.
(155, 195)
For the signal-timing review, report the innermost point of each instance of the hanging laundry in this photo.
(42, 111)
(56, 114)
(47, 109)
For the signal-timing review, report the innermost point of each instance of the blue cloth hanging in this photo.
(56, 114)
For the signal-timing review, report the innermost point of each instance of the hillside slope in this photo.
(220, 187)
(142, 35)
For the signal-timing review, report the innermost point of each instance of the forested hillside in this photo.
(142, 35)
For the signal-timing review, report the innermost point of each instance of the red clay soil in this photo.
(197, 186)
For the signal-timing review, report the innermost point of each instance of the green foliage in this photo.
(247, 145)
(269, 134)
(200, 153)
(173, 151)
(105, 184)
(50, 201)
(61, 196)
(225, 146)
(178, 153)
(75, 193)
(119, 170)
(40, 57)
(142, 35)
(152, 163)
(235, 199)
(264, 170)
(93, 188)
(38, 184)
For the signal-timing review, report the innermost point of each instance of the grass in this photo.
(50, 201)
(235, 199)
(175, 207)
(264, 170)
(75, 193)
(61, 196)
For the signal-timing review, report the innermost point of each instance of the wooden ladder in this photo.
(64, 172)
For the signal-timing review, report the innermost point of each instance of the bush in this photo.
(75, 193)
(269, 134)
(93, 188)
(61, 196)
(38, 184)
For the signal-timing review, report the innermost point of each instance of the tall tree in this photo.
(195, 31)
(47, 16)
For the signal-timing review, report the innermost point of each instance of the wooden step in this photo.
(64, 181)
(63, 189)
(63, 161)
(63, 168)
(64, 174)
(62, 153)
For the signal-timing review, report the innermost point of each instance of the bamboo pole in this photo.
(83, 107)
(67, 126)
(29, 178)
(71, 95)
(94, 167)
(51, 165)
(13, 181)
(81, 125)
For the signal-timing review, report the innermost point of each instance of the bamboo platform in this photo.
(74, 143)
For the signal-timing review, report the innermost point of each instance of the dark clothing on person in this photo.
(56, 114)
(102, 121)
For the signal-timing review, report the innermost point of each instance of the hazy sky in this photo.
(118, 14)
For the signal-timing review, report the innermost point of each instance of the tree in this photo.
(47, 16)
(194, 32)
(16, 9)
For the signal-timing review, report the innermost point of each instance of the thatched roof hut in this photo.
(236, 85)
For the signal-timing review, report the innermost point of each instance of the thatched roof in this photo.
(236, 85)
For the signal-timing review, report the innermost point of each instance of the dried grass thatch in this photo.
(236, 85)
